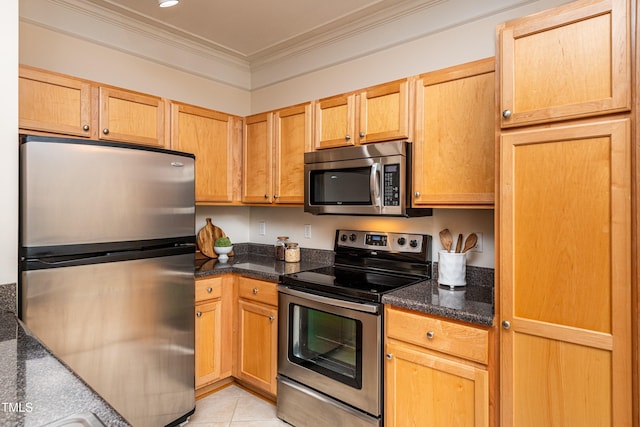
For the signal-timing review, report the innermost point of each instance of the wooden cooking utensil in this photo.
(445, 239)
(470, 243)
(459, 244)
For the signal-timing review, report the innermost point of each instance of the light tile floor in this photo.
(234, 407)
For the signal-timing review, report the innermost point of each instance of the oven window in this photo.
(326, 343)
(340, 186)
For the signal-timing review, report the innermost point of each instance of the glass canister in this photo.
(280, 247)
(292, 252)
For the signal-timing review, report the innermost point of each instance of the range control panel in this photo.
(380, 241)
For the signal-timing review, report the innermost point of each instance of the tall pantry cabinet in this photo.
(565, 216)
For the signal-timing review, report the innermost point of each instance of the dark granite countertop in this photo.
(473, 304)
(258, 261)
(36, 388)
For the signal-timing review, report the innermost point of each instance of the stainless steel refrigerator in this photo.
(107, 246)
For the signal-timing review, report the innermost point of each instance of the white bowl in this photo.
(222, 252)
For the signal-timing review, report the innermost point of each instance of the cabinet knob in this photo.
(255, 291)
(275, 196)
(506, 114)
(430, 335)
(209, 290)
(347, 137)
(85, 128)
(266, 196)
(417, 194)
(506, 324)
(362, 134)
(389, 356)
(105, 131)
(198, 313)
(272, 318)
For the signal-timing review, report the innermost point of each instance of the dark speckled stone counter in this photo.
(257, 261)
(36, 388)
(472, 303)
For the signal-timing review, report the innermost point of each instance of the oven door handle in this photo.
(350, 305)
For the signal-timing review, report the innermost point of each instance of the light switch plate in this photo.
(262, 229)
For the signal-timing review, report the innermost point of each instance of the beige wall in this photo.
(9, 142)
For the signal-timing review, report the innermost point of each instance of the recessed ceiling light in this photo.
(168, 3)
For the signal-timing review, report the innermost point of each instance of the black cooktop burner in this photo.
(350, 282)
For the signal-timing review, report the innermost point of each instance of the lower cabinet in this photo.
(213, 329)
(257, 334)
(436, 372)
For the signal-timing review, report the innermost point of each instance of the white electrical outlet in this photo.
(478, 246)
(262, 229)
(307, 231)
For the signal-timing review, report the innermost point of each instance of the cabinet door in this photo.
(49, 102)
(335, 122)
(422, 389)
(213, 138)
(131, 117)
(565, 257)
(208, 339)
(258, 159)
(384, 112)
(573, 61)
(258, 343)
(293, 134)
(454, 148)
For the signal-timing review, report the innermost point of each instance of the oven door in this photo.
(332, 346)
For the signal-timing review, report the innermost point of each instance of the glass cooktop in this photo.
(363, 284)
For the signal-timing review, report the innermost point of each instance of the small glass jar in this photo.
(292, 252)
(280, 247)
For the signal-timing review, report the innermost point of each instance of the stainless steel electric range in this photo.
(330, 369)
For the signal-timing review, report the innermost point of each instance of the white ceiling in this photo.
(251, 29)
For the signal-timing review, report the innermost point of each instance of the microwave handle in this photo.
(374, 184)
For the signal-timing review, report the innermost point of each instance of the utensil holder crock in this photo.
(452, 268)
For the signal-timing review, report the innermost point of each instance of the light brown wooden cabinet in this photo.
(274, 146)
(379, 113)
(257, 334)
(565, 252)
(213, 326)
(435, 371)
(565, 230)
(53, 103)
(215, 139)
(454, 146)
(569, 62)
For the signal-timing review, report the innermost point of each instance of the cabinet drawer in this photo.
(436, 334)
(210, 288)
(258, 290)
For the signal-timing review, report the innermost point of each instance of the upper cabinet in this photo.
(274, 146)
(379, 113)
(215, 139)
(127, 116)
(50, 102)
(53, 103)
(293, 136)
(577, 58)
(454, 146)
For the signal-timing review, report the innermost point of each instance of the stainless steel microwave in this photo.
(373, 179)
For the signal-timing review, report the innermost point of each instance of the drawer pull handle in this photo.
(209, 290)
(198, 313)
(389, 356)
(255, 291)
(430, 335)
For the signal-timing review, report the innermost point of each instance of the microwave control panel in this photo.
(391, 185)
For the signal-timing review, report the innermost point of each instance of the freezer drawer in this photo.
(125, 327)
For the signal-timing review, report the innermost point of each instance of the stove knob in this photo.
(413, 243)
(402, 241)
(353, 237)
(343, 238)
